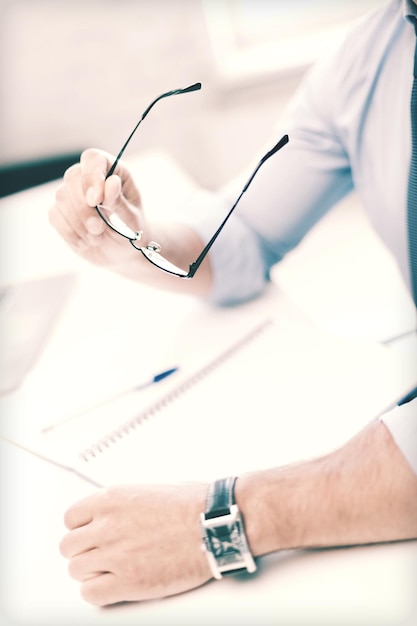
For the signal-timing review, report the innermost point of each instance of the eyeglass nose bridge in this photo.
(151, 252)
(152, 246)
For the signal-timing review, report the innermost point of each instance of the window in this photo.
(257, 39)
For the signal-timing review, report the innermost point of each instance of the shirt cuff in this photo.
(236, 261)
(402, 424)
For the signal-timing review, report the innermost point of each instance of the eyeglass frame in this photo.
(152, 251)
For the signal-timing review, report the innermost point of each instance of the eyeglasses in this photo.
(152, 251)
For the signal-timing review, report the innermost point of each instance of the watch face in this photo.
(225, 541)
(225, 544)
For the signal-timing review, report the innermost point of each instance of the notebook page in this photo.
(285, 396)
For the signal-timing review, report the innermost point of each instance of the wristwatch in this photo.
(223, 533)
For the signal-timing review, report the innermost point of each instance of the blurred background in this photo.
(79, 73)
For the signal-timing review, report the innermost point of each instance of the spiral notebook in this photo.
(277, 394)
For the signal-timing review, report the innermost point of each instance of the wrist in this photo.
(251, 496)
(265, 501)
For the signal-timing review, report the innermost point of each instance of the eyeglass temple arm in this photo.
(194, 266)
(174, 92)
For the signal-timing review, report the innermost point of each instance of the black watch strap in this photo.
(220, 497)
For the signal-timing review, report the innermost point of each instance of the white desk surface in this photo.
(355, 586)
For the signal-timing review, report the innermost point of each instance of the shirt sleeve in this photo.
(402, 424)
(290, 193)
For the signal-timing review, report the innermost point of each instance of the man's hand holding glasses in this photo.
(98, 211)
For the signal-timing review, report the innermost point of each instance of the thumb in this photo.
(111, 199)
(113, 193)
(117, 205)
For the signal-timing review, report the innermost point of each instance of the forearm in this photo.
(140, 542)
(363, 493)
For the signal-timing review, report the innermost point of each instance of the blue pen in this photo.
(147, 383)
(159, 377)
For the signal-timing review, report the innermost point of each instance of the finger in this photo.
(94, 167)
(77, 541)
(115, 201)
(65, 220)
(113, 192)
(102, 590)
(71, 212)
(86, 565)
(98, 189)
(80, 513)
(95, 226)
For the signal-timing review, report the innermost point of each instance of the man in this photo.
(349, 126)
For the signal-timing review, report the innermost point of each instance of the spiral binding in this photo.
(112, 438)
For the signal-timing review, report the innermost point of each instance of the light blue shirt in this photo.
(349, 128)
